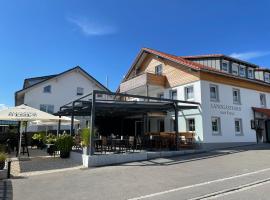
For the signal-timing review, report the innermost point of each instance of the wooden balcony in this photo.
(143, 80)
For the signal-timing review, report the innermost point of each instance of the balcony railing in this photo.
(143, 80)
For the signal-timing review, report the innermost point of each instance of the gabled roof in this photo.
(46, 78)
(185, 61)
(173, 58)
(34, 80)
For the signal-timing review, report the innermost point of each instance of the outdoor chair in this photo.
(131, 143)
(104, 144)
(77, 141)
(139, 143)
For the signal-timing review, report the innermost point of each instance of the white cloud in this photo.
(92, 28)
(3, 106)
(250, 55)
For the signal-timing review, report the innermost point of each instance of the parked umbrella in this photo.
(25, 113)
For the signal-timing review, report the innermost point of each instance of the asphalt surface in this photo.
(240, 173)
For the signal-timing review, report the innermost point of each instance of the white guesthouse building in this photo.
(49, 93)
(234, 95)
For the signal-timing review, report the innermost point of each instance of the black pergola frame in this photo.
(80, 107)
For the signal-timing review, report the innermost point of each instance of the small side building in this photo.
(49, 93)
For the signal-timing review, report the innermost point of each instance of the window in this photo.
(173, 94)
(250, 73)
(235, 69)
(47, 108)
(215, 125)
(238, 126)
(225, 66)
(47, 89)
(190, 124)
(160, 95)
(161, 126)
(242, 71)
(266, 77)
(158, 70)
(214, 92)
(189, 94)
(263, 100)
(236, 96)
(79, 91)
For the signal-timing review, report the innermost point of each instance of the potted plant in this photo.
(64, 144)
(85, 134)
(39, 139)
(3, 158)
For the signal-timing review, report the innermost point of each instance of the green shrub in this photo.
(51, 139)
(85, 134)
(3, 157)
(40, 136)
(64, 143)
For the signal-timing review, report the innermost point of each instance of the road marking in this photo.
(240, 188)
(199, 184)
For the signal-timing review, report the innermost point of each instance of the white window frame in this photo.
(193, 127)
(252, 73)
(240, 132)
(244, 71)
(218, 132)
(186, 92)
(159, 69)
(49, 90)
(227, 63)
(80, 91)
(47, 106)
(217, 92)
(235, 69)
(239, 96)
(263, 103)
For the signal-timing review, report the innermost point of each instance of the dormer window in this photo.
(250, 73)
(242, 71)
(47, 89)
(266, 77)
(225, 66)
(79, 91)
(235, 69)
(158, 70)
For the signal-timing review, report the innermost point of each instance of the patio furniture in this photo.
(131, 143)
(187, 140)
(77, 141)
(139, 143)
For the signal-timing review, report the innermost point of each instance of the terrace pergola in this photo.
(104, 103)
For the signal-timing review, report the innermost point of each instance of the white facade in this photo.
(224, 109)
(63, 89)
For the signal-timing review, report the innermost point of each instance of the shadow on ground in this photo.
(198, 156)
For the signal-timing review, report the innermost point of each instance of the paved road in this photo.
(241, 173)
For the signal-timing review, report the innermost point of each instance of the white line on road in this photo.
(240, 188)
(199, 184)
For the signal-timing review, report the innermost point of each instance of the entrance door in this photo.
(267, 130)
(138, 128)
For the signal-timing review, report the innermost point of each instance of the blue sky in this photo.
(47, 37)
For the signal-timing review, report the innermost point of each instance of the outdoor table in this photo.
(120, 143)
